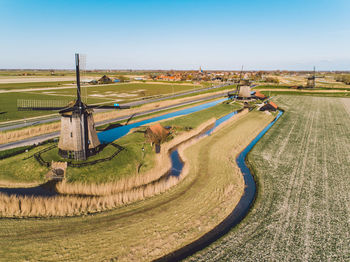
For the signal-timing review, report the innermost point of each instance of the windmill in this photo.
(241, 82)
(78, 137)
(238, 87)
(311, 80)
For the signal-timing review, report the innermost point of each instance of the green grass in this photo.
(8, 104)
(301, 211)
(13, 151)
(19, 169)
(125, 164)
(133, 91)
(9, 86)
(8, 101)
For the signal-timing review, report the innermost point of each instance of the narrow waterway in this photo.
(176, 162)
(109, 136)
(239, 212)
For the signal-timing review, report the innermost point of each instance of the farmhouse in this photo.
(104, 80)
(270, 106)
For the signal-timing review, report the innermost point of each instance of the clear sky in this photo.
(176, 34)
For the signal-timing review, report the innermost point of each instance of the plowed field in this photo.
(302, 165)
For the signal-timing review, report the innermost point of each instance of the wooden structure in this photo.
(156, 134)
(104, 80)
(244, 92)
(270, 106)
(311, 80)
(259, 95)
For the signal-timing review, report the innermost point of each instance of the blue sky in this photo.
(176, 34)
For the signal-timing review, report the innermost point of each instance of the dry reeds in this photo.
(58, 206)
(10, 136)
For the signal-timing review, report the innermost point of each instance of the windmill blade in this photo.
(131, 117)
(41, 105)
(39, 108)
(66, 110)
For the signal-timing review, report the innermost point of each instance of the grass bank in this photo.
(209, 192)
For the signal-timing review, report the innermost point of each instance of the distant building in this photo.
(259, 95)
(105, 80)
(270, 106)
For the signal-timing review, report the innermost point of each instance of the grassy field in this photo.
(124, 92)
(302, 210)
(120, 93)
(8, 104)
(10, 86)
(148, 229)
(127, 161)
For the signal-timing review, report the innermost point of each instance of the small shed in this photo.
(156, 134)
(104, 80)
(270, 106)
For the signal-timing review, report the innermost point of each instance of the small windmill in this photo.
(238, 87)
(240, 83)
(78, 137)
(311, 80)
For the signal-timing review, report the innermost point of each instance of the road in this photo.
(26, 123)
(41, 138)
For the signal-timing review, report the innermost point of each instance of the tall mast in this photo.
(77, 72)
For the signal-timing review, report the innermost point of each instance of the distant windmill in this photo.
(241, 82)
(311, 80)
(78, 138)
(238, 87)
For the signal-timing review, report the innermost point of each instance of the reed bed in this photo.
(11, 136)
(61, 206)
